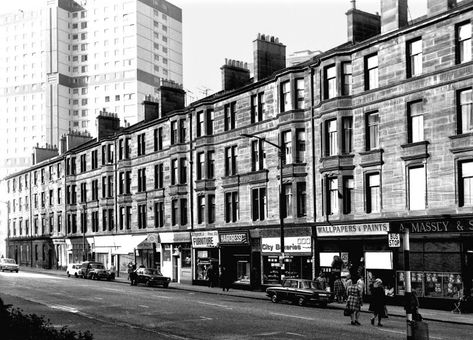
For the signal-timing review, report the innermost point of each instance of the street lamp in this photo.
(281, 198)
(83, 224)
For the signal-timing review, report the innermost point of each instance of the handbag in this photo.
(347, 312)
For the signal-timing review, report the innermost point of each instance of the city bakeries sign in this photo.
(234, 238)
(454, 225)
(205, 239)
(353, 229)
(302, 244)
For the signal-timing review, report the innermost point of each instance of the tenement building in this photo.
(374, 138)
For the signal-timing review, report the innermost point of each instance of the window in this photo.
(141, 144)
(465, 100)
(174, 132)
(200, 165)
(94, 162)
(417, 188)
(347, 136)
(200, 123)
(184, 210)
(346, 79)
(466, 184)
(300, 92)
(158, 139)
(286, 96)
(231, 207)
(259, 206)
(463, 45)
(372, 131)
(332, 138)
(231, 161)
(330, 90)
(416, 122)
(142, 180)
(301, 199)
(142, 216)
(258, 157)
(182, 171)
(159, 214)
(414, 56)
(257, 107)
(373, 193)
(210, 164)
(300, 146)
(174, 211)
(200, 209)
(286, 144)
(95, 221)
(211, 208)
(83, 192)
(158, 176)
(95, 190)
(128, 217)
(83, 222)
(371, 72)
(210, 122)
(59, 196)
(332, 196)
(182, 131)
(229, 116)
(348, 195)
(174, 171)
(127, 148)
(287, 201)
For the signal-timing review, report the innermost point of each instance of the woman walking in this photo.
(339, 290)
(378, 303)
(354, 301)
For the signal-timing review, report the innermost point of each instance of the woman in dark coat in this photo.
(225, 279)
(354, 301)
(378, 302)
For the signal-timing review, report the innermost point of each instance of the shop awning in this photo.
(126, 244)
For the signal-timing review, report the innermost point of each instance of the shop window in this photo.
(416, 122)
(414, 58)
(330, 78)
(463, 42)
(417, 187)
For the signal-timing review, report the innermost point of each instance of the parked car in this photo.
(9, 264)
(73, 269)
(151, 277)
(299, 291)
(95, 271)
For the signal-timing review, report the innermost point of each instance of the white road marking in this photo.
(65, 308)
(268, 334)
(214, 304)
(144, 306)
(296, 334)
(98, 298)
(112, 289)
(293, 316)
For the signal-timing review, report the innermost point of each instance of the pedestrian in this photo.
(321, 281)
(378, 302)
(354, 301)
(130, 269)
(133, 278)
(339, 290)
(225, 279)
(210, 276)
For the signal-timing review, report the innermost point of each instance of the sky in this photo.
(217, 29)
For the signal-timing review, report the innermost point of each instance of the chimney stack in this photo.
(107, 124)
(151, 107)
(235, 74)
(269, 56)
(73, 139)
(171, 97)
(439, 6)
(362, 25)
(393, 15)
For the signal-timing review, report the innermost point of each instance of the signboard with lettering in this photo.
(394, 240)
(449, 225)
(353, 229)
(302, 244)
(235, 238)
(204, 239)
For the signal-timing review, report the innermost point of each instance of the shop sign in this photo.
(353, 229)
(456, 225)
(235, 238)
(205, 239)
(302, 244)
(394, 240)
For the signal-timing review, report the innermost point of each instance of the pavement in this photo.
(427, 314)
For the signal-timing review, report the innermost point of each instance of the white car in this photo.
(8, 264)
(73, 269)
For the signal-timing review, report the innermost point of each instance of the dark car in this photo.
(95, 271)
(151, 277)
(299, 291)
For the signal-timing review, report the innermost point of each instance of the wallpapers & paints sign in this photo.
(353, 229)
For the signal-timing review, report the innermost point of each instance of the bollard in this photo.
(420, 330)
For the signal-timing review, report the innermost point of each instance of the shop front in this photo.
(441, 257)
(206, 255)
(124, 251)
(297, 258)
(235, 255)
(148, 252)
(176, 256)
(79, 249)
(360, 250)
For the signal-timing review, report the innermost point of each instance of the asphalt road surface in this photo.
(112, 310)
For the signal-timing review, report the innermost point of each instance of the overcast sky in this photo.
(217, 29)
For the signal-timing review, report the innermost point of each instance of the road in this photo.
(112, 310)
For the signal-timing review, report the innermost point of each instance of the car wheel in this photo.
(76, 275)
(301, 301)
(166, 285)
(274, 298)
(17, 270)
(68, 275)
(148, 284)
(3, 269)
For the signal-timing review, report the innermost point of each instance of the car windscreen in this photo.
(9, 261)
(97, 266)
(152, 272)
(309, 285)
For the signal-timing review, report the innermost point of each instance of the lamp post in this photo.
(281, 197)
(84, 223)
